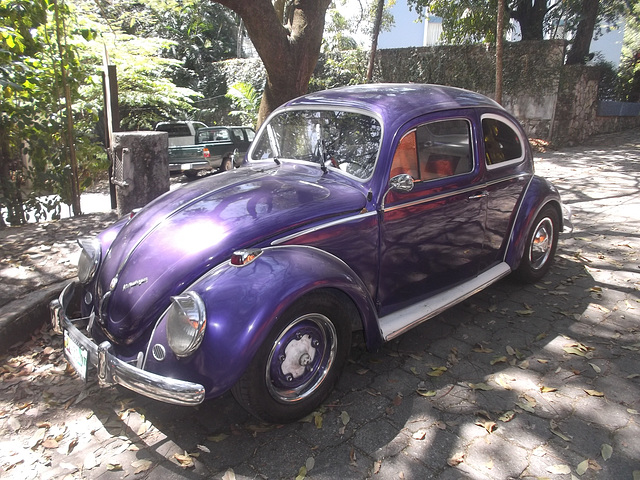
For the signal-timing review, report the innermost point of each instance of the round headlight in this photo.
(186, 322)
(89, 259)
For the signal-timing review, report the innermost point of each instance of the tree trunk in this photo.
(578, 55)
(499, 51)
(288, 51)
(530, 16)
(374, 39)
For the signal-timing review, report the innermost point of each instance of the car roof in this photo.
(395, 102)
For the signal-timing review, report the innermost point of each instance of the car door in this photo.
(508, 167)
(432, 237)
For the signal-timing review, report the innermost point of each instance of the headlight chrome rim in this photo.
(186, 324)
(89, 260)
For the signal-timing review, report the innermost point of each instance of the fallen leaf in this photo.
(436, 371)
(414, 370)
(503, 381)
(501, 359)
(480, 349)
(582, 467)
(141, 465)
(633, 411)
(595, 367)
(50, 443)
(229, 475)
(594, 393)
(302, 473)
(480, 386)
(184, 460)
(556, 431)
(507, 416)
(510, 350)
(606, 451)
(426, 393)
(456, 459)
(317, 420)
(114, 467)
(217, 438)
(310, 463)
(419, 435)
(524, 313)
(203, 448)
(488, 426)
(376, 467)
(362, 371)
(352, 457)
(344, 416)
(544, 389)
(559, 469)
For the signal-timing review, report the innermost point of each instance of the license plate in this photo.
(76, 355)
(186, 166)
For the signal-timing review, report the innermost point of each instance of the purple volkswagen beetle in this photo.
(371, 207)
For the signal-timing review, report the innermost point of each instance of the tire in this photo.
(540, 249)
(297, 366)
(226, 165)
(191, 174)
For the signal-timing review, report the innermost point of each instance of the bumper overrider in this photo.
(111, 370)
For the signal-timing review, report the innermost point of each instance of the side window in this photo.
(405, 160)
(444, 149)
(250, 134)
(238, 136)
(501, 142)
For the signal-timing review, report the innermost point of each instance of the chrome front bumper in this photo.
(111, 370)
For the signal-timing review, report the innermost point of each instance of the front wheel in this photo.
(541, 245)
(297, 366)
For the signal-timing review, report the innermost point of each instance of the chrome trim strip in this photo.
(457, 192)
(113, 370)
(358, 216)
(397, 323)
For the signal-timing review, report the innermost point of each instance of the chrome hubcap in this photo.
(541, 244)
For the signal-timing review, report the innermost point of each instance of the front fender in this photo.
(243, 303)
(540, 192)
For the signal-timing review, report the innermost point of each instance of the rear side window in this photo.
(435, 150)
(502, 143)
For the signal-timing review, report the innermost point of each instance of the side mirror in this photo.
(401, 183)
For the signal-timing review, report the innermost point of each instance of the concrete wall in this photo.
(554, 102)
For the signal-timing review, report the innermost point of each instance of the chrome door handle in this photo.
(478, 196)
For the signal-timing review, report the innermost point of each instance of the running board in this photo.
(399, 322)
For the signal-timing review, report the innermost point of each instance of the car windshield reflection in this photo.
(345, 141)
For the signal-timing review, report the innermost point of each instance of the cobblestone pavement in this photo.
(526, 382)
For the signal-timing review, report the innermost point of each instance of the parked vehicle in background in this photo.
(221, 148)
(372, 207)
(180, 133)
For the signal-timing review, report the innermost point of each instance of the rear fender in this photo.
(539, 194)
(243, 303)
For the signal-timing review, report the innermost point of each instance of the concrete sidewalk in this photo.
(530, 382)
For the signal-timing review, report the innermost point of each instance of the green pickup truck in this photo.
(219, 148)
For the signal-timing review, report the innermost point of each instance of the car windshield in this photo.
(342, 140)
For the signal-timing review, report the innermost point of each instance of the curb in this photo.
(20, 318)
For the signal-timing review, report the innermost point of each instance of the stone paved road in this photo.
(517, 382)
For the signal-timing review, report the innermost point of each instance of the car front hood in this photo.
(181, 235)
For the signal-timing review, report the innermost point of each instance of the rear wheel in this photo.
(541, 245)
(297, 366)
(226, 165)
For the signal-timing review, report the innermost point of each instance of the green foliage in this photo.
(629, 71)
(246, 99)
(339, 69)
